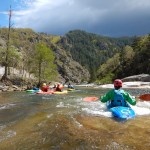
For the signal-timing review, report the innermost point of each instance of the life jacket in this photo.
(118, 99)
(45, 88)
(70, 87)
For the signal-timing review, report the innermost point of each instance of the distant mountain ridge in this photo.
(92, 50)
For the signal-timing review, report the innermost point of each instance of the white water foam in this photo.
(99, 109)
(96, 109)
(142, 108)
(98, 112)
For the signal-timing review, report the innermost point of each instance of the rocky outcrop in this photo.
(140, 77)
(70, 70)
(4, 88)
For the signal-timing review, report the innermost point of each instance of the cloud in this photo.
(107, 17)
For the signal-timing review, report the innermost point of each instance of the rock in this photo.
(140, 77)
(70, 70)
(136, 84)
(1, 87)
(128, 85)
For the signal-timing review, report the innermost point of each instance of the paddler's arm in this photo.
(129, 98)
(108, 96)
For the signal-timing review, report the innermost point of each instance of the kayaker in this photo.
(45, 87)
(70, 86)
(59, 87)
(54, 87)
(35, 88)
(117, 96)
(29, 87)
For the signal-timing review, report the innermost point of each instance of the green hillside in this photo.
(92, 50)
(132, 60)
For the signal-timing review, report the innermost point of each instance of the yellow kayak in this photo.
(69, 89)
(63, 92)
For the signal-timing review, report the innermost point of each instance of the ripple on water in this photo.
(6, 135)
(60, 104)
(116, 146)
(6, 106)
(78, 124)
(49, 115)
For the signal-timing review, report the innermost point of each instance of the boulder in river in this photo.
(140, 77)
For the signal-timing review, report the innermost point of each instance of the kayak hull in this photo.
(69, 89)
(63, 92)
(32, 91)
(48, 93)
(52, 92)
(122, 112)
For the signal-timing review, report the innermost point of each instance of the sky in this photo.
(114, 18)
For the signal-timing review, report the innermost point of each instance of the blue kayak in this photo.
(121, 112)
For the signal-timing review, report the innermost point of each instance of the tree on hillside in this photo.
(14, 58)
(142, 55)
(43, 63)
(106, 71)
(6, 63)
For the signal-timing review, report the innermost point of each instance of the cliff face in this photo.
(69, 69)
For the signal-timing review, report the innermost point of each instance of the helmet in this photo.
(117, 83)
(44, 84)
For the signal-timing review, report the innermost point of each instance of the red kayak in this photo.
(49, 92)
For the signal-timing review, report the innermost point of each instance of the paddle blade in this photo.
(145, 97)
(90, 99)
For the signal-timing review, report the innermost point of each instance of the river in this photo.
(66, 122)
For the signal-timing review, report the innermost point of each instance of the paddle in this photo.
(144, 97)
(90, 99)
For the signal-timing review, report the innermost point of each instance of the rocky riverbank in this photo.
(135, 84)
(141, 81)
(4, 88)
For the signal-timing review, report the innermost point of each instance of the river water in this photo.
(66, 122)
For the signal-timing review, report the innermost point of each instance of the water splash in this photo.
(99, 109)
(142, 108)
(96, 109)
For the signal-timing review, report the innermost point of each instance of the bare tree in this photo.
(4, 77)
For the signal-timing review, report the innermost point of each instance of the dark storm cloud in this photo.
(107, 17)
